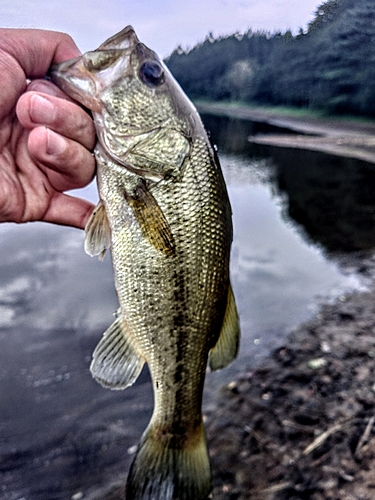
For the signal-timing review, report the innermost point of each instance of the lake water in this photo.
(61, 435)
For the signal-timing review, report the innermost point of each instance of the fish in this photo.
(165, 215)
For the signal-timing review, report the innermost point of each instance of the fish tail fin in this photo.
(164, 469)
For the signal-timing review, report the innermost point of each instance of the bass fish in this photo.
(164, 212)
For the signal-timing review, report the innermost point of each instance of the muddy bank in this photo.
(301, 426)
(333, 136)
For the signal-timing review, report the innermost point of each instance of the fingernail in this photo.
(42, 110)
(56, 144)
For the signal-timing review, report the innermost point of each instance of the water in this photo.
(295, 213)
(61, 434)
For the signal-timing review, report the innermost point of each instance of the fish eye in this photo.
(151, 73)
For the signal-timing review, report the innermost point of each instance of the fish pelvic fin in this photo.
(226, 347)
(153, 224)
(116, 364)
(162, 470)
(98, 232)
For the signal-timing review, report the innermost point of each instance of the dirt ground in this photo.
(302, 425)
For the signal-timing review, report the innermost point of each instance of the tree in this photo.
(331, 67)
(324, 14)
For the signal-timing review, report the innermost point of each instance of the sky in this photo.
(161, 25)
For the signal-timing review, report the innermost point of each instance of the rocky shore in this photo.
(301, 426)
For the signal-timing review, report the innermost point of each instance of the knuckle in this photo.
(81, 165)
(75, 123)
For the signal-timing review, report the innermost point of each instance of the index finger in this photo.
(35, 50)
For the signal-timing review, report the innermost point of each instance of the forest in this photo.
(330, 66)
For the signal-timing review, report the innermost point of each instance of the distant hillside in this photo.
(331, 66)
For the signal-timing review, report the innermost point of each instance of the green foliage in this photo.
(211, 69)
(330, 67)
(325, 13)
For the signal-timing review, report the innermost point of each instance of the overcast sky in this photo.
(160, 24)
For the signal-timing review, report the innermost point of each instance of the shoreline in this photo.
(332, 135)
(302, 424)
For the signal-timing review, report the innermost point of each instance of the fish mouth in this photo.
(76, 81)
(83, 78)
(125, 39)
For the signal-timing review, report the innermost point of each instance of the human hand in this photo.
(45, 138)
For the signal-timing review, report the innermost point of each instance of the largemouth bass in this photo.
(165, 214)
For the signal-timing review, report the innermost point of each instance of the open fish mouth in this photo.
(84, 77)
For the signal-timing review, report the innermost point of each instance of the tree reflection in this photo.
(330, 198)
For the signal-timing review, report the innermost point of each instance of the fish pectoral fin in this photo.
(98, 232)
(153, 224)
(226, 347)
(116, 364)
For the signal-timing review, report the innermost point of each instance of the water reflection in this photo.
(280, 271)
(61, 433)
(331, 198)
(47, 281)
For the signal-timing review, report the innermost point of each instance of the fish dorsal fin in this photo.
(153, 224)
(116, 364)
(226, 347)
(98, 232)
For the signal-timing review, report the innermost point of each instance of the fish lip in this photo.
(125, 39)
(72, 77)
(57, 72)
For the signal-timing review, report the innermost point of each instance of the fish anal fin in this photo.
(153, 224)
(226, 347)
(98, 232)
(116, 364)
(162, 470)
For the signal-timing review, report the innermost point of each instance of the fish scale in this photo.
(164, 213)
